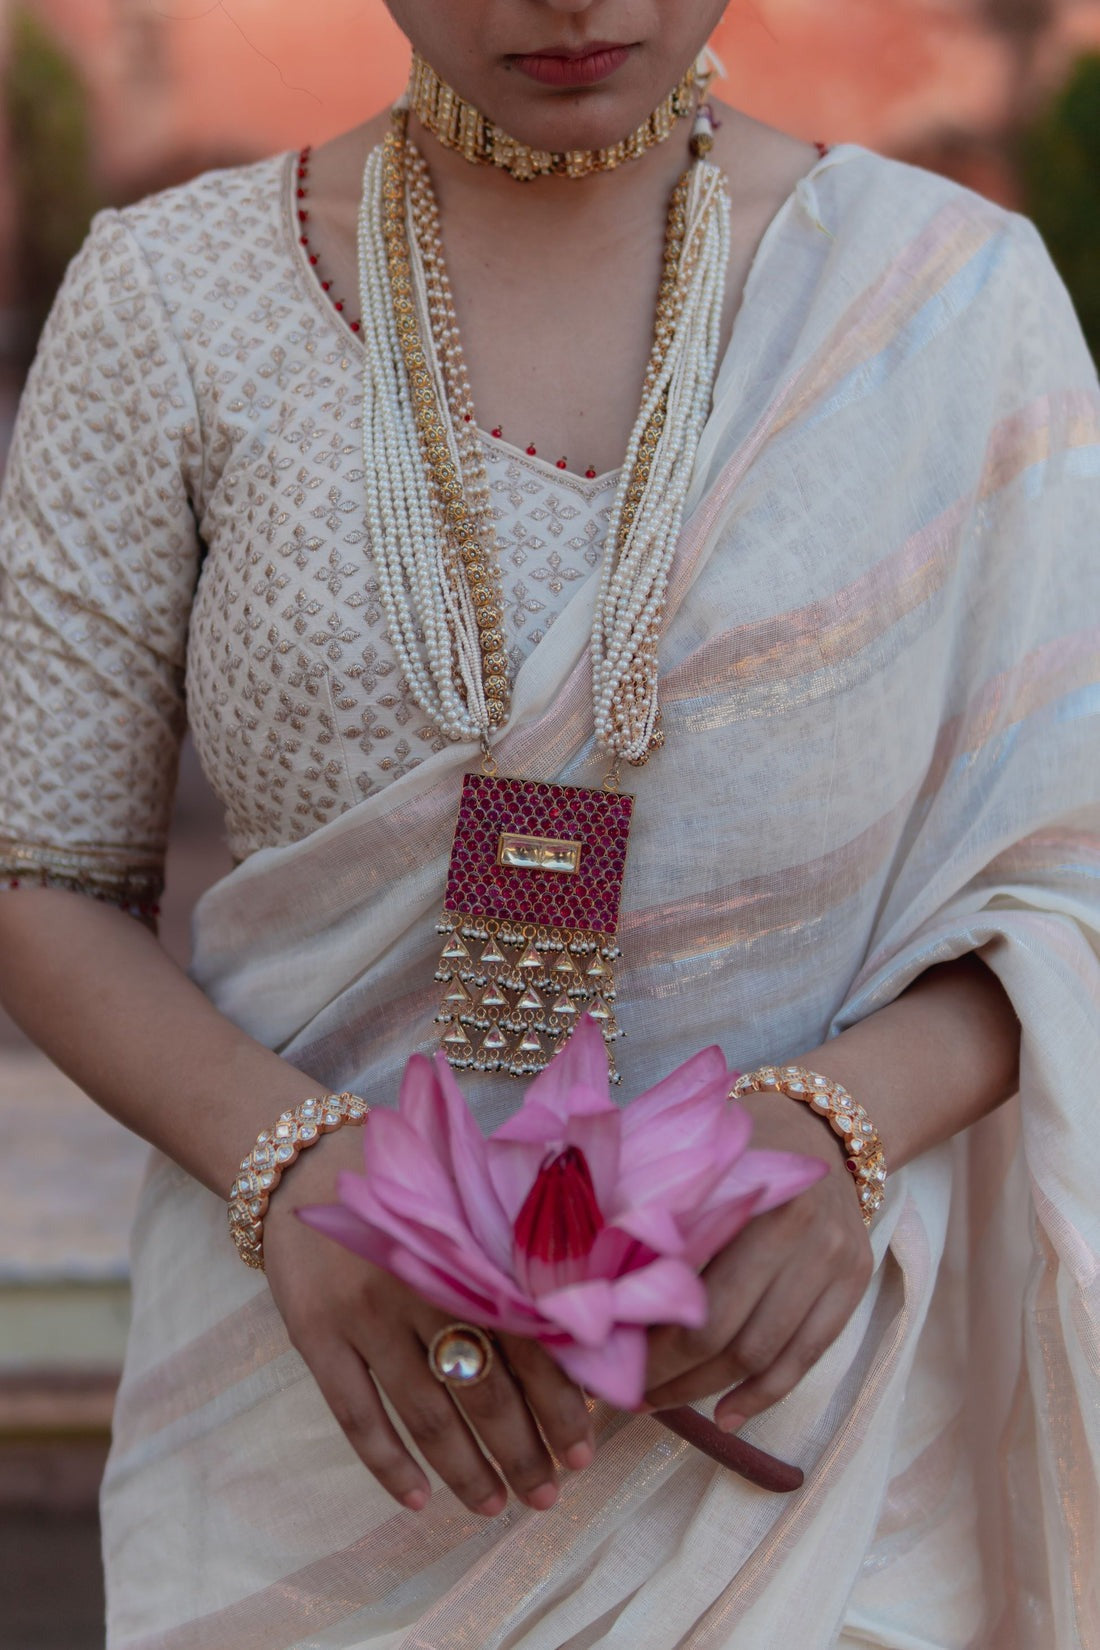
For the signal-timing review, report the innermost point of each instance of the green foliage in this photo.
(46, 110)
(1060, 170)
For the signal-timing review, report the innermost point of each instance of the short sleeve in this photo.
(99, 557)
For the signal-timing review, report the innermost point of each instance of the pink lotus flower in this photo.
(578, 1223)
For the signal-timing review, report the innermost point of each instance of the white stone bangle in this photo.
(275, 1150)
(864, 1157)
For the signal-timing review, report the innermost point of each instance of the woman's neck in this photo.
(555, 281)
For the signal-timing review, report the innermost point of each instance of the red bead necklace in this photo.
(303, 235)
(302, 195)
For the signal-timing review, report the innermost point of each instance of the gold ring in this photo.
(460, 1355)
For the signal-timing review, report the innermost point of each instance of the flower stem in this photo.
(760, 1468)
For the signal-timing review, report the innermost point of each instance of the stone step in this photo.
(69, 1180)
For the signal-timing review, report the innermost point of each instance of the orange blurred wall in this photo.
(259, 75)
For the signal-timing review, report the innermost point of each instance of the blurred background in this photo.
(103, 101)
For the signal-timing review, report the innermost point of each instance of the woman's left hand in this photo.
(780, 1293)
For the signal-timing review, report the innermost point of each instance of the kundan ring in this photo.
(460, 1355)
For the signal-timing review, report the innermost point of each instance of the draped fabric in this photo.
(881, 684)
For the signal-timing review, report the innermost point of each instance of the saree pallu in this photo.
(881, 683)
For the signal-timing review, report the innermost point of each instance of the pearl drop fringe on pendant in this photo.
(428, 603)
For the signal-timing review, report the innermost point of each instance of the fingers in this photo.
(361, 1330)
(813, 1337)
(524, 1409)
(436, 1425)
(753, 1344)
(498, 1413)
(347, 1388)
(556, 1402)
(736, 1281)
(501, 1413)
(778, 1295)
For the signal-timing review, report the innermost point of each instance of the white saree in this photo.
(881, 691)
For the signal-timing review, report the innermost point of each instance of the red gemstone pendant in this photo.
(530, 914)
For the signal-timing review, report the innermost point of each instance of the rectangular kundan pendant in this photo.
(530, 914)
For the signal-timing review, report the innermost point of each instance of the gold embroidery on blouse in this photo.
(105, 873)
(195, 371)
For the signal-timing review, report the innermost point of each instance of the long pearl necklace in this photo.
(422, 446)
(536, 871)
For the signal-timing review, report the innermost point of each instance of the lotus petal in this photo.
(513, 1169)
(577, 1079)
(585, 1310)
(782, 1175)
(533, 1124)
(465, 1304)
(451, 1251)
(615, 1371)
(700, 1071)
(700, 1136)
(434, 1284)
(519, 1148)
(398, 1157)
(654, 1226)
(378, 1198)
(597, 1135)
(470, 1168)
(712, 1228)
(778, 1176)
(616, 1252)
(339, 1223)
(666, 1291)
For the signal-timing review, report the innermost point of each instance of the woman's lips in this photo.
(571, 69)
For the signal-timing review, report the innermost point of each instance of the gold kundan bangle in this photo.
(275, 1150)
(864, 1157)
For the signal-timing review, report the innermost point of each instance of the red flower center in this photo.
(559, 1222)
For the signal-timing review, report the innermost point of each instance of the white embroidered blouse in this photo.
(182, 539)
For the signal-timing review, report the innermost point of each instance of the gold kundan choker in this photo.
(457, 125)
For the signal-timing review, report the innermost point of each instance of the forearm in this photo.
(98, 994)
(939, 1058)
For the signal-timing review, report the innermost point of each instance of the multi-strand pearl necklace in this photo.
(648, 510)
(427, 493)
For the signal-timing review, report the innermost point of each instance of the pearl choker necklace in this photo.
(457, 125)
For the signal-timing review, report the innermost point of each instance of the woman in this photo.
(867, 843)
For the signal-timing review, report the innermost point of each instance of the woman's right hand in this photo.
(360, 1329)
